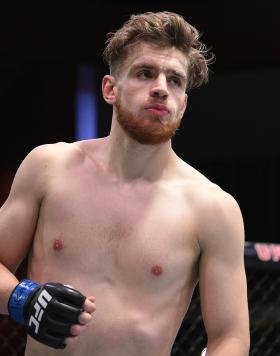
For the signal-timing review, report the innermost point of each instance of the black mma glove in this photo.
(48, 311)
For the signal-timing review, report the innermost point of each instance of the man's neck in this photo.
(130, 160)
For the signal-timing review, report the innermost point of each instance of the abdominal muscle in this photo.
(125, 323)
(139, 307)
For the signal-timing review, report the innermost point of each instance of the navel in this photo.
(58, 245)
(156, 270)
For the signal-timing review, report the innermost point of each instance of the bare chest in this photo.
(117, 231)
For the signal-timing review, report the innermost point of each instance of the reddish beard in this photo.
(146, 129)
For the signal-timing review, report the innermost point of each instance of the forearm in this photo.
(229, 346)
(7, 284)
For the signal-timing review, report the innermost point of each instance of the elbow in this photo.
(247, 343)
(229, 345)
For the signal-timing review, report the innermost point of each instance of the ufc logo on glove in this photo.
(47, 310)
(39, 307)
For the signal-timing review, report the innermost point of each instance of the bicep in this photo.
(223, 287)
(223, 293)
(18, 217)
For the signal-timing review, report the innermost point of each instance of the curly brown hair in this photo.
(164, 29)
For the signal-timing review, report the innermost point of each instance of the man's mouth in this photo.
(157, 109)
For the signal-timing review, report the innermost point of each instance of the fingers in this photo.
(89, 305)
(84, 318)
(77, 329)
(71, 340)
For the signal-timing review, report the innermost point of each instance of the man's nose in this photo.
(159, 87)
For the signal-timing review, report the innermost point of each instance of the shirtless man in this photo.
(124, 220)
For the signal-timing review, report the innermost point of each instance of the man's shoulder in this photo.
(54, 150)
(218, 213)
(213, 199)
(53, 154)
(44, 160)
(206, 194)
(196, 183)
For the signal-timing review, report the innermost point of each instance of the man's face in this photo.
(150, 93)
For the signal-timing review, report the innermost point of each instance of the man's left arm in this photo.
(223, 287)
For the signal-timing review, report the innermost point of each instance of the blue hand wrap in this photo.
(18, 299)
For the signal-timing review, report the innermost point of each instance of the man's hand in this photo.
(54, 314)
(85, 317)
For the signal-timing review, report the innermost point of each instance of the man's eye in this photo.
(176, 81)
(145, 74)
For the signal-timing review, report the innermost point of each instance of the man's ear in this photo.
(109, 89)
(184, 106)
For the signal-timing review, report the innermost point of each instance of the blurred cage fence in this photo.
(262, 262)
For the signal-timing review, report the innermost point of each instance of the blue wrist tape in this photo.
(18, 299)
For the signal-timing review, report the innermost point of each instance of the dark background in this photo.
(230, 131)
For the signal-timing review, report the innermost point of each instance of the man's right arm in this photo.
(18, 217)
(28, 302)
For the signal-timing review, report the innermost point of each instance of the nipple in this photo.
(58, 245)
(156, 270)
